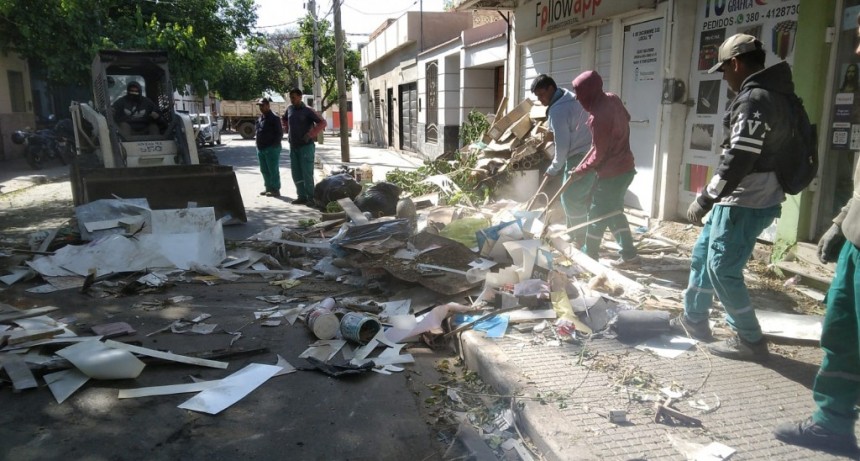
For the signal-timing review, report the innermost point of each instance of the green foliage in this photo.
(333, 207)
(64, 35)
(459, 171)
(327, 57)
(474, 127)
(240, 78)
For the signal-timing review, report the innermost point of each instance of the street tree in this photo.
(327, 50)
(64, 35)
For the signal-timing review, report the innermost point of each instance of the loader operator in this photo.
(134, 113)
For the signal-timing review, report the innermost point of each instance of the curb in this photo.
(543, 424)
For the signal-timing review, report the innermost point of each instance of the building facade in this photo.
(16, 102)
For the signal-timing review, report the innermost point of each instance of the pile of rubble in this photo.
(414, 275)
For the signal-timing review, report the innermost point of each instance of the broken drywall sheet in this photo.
(167, 390)
(791, 326)
(669, 346)
(97, 360)
(178, 238)
(324, 349)
(64, 383)
(427, 322)
(166, 355)
(231, 389)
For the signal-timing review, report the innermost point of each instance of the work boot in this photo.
(266, 192)
(628, 263)
(299, 201)
(737, 348)
(273, 193)
(681, 325)
(809, 434)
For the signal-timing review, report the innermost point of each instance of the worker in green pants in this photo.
(611, 159)
(572, 139)
(302, 126)
(268, 139)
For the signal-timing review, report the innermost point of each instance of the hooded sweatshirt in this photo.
(755, 131)
(610, 153)
(567, 120)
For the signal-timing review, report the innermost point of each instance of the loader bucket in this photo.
(164, 187)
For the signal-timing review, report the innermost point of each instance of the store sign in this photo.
(539, 17)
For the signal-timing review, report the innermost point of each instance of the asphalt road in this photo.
(300, 416)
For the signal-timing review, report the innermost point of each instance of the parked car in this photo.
(207, 129)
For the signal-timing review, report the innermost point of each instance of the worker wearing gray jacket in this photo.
(572, 139)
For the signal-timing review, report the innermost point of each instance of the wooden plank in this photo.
(352, 211)
(166, 355)
(18, 371)
(21, 314)
(23, 336)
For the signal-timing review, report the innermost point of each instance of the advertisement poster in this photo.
(775, 24)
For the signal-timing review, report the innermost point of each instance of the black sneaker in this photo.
(736, 348)
(681, 325)
(266, 192)
(299, 201)
(273, 193)
(808, 434)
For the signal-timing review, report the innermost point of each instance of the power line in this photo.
(277, 25)
(393, 13)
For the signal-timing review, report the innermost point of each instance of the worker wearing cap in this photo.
(134, 113)
(743, 197)
(268, 137)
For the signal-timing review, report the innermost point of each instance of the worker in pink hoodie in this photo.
(611, 159)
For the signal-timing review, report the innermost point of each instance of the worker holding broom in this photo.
(572, 140)
(611, 159)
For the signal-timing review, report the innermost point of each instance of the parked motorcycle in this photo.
(40, 146)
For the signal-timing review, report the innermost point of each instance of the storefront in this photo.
(625, 42)
(841, 119)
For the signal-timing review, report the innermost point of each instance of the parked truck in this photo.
(240, 116)
(160, 164)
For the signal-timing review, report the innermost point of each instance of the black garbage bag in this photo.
(334, 188)
(380, 200)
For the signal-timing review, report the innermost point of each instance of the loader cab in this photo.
(168, 138)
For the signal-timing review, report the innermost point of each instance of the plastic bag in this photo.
(380, 200)
(334, 188)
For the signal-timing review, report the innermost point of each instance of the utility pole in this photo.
(312, 6)
(341, 83)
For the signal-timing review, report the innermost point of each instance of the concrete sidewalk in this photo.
(566, 392)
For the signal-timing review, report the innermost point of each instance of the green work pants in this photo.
(302, 167)
(837, 386)
(717, 266)
(576, 199)
(608, 196)
(270, 158)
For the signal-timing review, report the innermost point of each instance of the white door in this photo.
(641, 89)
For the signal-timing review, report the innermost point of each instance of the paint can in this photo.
(323, 322)
(359, 327)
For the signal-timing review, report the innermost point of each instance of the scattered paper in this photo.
(166, 355)
(323, 350)
(167, 390)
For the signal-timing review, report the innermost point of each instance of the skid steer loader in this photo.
(160, 164)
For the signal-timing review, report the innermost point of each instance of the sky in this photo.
(357, 16)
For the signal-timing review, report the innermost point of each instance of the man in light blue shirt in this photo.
(572, 139)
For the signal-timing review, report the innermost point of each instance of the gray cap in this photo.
(735, 45)
(262, 101)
